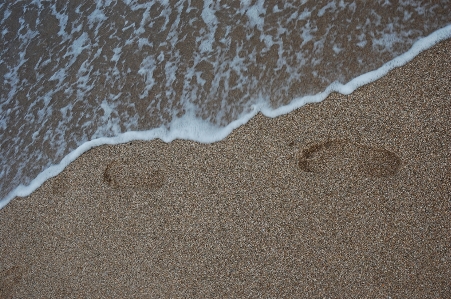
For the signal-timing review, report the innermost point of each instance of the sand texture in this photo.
(348, 198)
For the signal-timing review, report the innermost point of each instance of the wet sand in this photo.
(348, 198)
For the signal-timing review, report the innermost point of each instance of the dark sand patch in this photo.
(61, 184)
(132, 174)
(9, 279)
(342, 156)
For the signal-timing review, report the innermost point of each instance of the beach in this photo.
(347, 198)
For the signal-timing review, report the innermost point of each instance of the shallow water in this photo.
(79, 71)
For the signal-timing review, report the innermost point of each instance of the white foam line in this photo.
(188, 129)
(418, 47)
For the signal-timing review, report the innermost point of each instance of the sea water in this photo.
(78, 74)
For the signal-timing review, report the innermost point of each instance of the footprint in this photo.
(61, 184)
(133, 174)
(341, 156)
(9, 278)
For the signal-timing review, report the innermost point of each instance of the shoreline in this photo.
(348, 197)
(212, 134)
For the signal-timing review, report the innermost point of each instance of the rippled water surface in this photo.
(74, 71)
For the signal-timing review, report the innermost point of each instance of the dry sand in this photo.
(348, 198)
